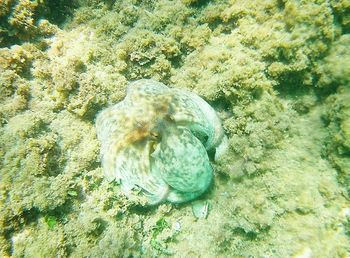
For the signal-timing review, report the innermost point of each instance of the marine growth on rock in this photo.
(155, 142)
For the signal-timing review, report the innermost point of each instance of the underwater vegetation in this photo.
(25, 20)
(276, 74)
(156, 140)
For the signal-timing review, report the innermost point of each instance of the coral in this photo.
(102, 224)
(156, 139)
(254, 131)
(35, 163)
(338, 119)
(39, 241)
(257, 47)
(73, 79)
(341, 9)
(332, 71)
(113, 243)
(333, 74)
(235, 71)
(268, 68)
(17, 19)
(16, 59)
(261, 204)
(24, 20)
(15, 64)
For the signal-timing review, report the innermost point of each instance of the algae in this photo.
(275, 71)
(29, 20)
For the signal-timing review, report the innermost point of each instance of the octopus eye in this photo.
(154, 135)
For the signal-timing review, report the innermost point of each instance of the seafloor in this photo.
(276, 71)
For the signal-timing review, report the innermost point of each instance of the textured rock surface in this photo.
(275, 72)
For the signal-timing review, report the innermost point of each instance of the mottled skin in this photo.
(182, 161)
(156, 141)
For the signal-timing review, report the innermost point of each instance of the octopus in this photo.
(156, 141)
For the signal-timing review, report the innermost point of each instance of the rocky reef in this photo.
(27, 20)
(274, 71)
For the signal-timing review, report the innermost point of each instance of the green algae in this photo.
(338, 145)
(274, 70)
